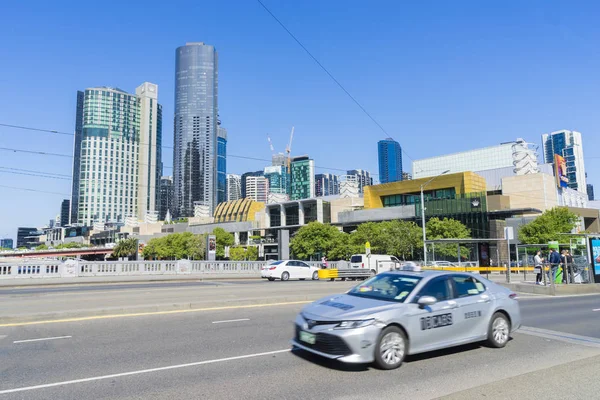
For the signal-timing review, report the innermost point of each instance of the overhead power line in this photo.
(34, 190)
(363, 109)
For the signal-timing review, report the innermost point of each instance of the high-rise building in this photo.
(568, 145)
(486, 158)
(166, 197)
(120, 156)
(406, 176)
(590, 191)
(26, 237)
(390, 160)
(257, 188)
(362, 177)
(221, 165)
(243, 184)
(326, 185)
(6, 244)
(77, 157)
(279, 179)
(234, 187)
(196, 123)
(278, 159)
(65, 212)
(303, 178)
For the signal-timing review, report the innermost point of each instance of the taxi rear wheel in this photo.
(285, 276)
(498, 331)
(315, 276)
(391, 348)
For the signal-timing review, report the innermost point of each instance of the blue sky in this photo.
(439, 76)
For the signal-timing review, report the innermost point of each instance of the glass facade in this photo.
(6, 244)
(414, 198)
(390, 160)
(222, 166)
(166, 197)
(567, 144)
(279, 179)
(234, 187)
(65, 212)
(303, 178)
(77, 156)
(195, 131)
(119, 161)
(493, 157)
(326, 185)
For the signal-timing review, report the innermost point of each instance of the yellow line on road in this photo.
(144, 314)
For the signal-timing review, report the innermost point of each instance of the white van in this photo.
(374, 262)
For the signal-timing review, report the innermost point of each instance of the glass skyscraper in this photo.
(390, 160)
(303, 178)
(326, 185)
(221, 165)
(77, 156)
(119, 162)
(196, 124)
(567, 144)
(166, 197)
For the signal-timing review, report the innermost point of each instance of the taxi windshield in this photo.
(386, 287)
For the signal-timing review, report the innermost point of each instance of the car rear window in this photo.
(387, 287)
(356, 259)
(276, 263)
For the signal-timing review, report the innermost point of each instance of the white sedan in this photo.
(290, 269)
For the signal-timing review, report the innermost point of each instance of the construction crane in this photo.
(288, 150)
(271, 144)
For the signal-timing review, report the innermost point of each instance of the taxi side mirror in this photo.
(426, 301)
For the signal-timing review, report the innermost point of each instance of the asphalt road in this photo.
(244, 353)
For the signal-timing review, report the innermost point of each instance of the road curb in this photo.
(132, 311)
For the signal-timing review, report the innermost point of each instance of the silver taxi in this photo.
(394, 314)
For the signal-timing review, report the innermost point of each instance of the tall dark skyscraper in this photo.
(221, 165)
(590, 191)
(390, 160)
(77, 156)
(65, 210)
(195, 128)
(166, 197)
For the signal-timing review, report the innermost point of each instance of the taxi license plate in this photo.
(307, 337)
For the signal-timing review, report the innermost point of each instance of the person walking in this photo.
(538, 267)
(554, 260)
(570, 266)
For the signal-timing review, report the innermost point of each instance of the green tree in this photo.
(42, 247)
(176, 246)
(126, 248)
(224, 238)
(237, 253)
(252, 253)
(368, 232)
(400, 238)
(550, 226)
(70, 245)
(448, 229)
(316, 238)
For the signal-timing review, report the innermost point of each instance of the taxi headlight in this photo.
(354, 324)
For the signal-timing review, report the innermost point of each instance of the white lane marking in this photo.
(560, 336)
(42, 339)
(143, 371)
(231, 320)
(596, 309)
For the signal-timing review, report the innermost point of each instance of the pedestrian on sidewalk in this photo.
(554, 260)
(563, 266)
(538, 267)
(569, 260)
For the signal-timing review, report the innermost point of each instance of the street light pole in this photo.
(423, 215)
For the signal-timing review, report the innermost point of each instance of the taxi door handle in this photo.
(451, 305)
(484, 299)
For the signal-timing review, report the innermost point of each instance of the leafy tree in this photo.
(368, 232)
(448, 229)
(252, 253)
(126, 248)
(42, 247)
(224, 238)
(400, 238)
(316, 238)
(237, 253)
(550, 226)
(21, 248)
(176, 246)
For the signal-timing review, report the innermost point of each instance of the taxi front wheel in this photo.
(391, 348)
(498, 331)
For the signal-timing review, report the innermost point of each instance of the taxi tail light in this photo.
(363, 265)
(272, 268)
(513, 296)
